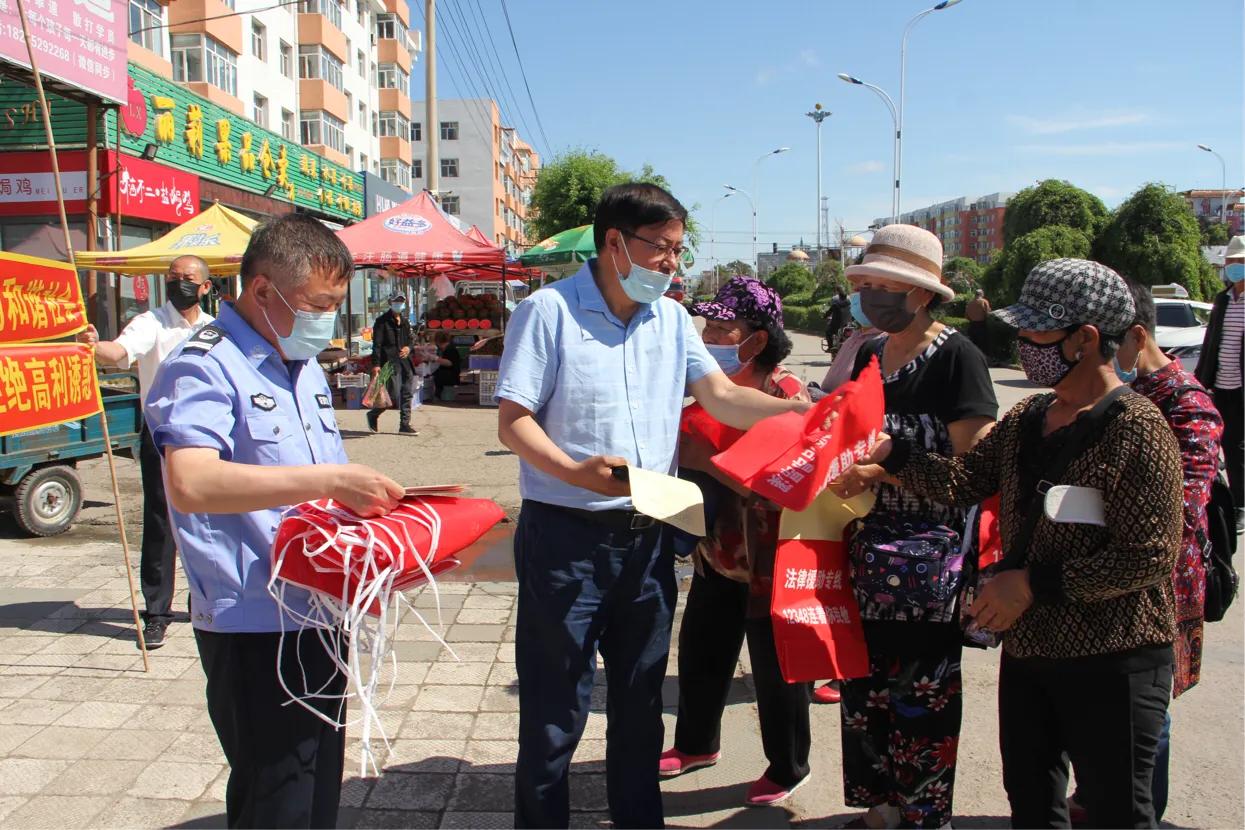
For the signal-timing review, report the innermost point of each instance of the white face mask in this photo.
(310, 335)
(642, 285)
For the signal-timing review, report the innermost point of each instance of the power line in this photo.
(523, 72)
(215, 17)
(505, 76)
(459, 85)
(481, 67)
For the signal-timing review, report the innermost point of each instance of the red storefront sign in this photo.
(46, 384)
(148, 190)
(39, 299)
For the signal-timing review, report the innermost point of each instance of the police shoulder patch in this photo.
(205, 338)
(265, 402)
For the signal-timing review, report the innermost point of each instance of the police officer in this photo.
(391, 344)
(243, 418)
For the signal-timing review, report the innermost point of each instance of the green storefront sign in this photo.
(193, 134)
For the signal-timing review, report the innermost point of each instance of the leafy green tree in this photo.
(736, 268)
(568, 188)
(1213, 233)
(1053, 202)
(962, 273)
(791, 278)
(1154, 238)
(829, 273)
(1005, 276)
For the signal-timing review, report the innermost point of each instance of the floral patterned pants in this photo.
(901, 731)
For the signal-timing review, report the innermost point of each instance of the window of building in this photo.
(417, 131)
(259, 110)
(329, 8)
(349, 156)
(319, 127)
(361, 63)
(451, 205)
(203, 59)
(287, 59)
(360, 15)
(449, 130)
(319, 63)
(362, 161)
(389, 27)
(362, 115)
(259, 40)
(287, 125)
(417, 169)
(393, 124)
(396, 171)
(449, 168)
(391, 76)
(146, 25)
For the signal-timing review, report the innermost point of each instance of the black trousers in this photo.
(1108, 720)
(158, 562)
(285, 764)
(1231, 405)
(401, 388)
(713, 631)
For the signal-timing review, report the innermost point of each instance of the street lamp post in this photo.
(818, 115)
(756, 191)
(1223, 184)
(890, 105)
(753, 206)
(713, 224)
(903, 68)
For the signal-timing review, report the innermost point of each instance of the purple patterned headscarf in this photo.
(744, 298)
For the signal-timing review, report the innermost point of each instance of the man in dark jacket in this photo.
(391, 343)
(1222, 366)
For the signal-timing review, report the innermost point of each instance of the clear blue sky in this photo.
(1000, 93)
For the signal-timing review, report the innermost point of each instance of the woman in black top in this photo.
(901, 724)
(449, 365)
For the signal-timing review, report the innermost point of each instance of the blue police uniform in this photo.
(592, 573)
(228, 389)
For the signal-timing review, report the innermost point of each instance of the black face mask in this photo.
(886, 310)
(182, 293)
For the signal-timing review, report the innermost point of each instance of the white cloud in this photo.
(1054, 125)
(866, 167)
(1102, 148)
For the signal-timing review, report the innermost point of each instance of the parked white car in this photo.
(1180, 327)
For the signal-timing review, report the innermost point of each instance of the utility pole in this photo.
(818, 115)
(432, 128)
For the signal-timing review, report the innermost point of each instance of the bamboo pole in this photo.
(103, 416)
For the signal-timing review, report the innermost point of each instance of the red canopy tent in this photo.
(415, 238)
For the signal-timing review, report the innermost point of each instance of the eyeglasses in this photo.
(663, 251)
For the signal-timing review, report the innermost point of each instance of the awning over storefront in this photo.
(218, 236)
(415, 238)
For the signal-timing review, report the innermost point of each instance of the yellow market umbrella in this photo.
(218, 236)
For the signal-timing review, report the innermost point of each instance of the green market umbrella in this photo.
(568, 248)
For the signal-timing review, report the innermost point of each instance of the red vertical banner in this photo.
(46, 384)
(817, 630)
(40, 299)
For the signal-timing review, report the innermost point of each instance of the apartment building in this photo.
(487, 170)
(1210, 205)
(966, 227)
(332, 75)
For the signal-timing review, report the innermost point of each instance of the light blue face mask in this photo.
(397, 308)
(728, 358)
(858, 313)
(310, 335)
(1127, 376)
(642, 285)
(1234, 272)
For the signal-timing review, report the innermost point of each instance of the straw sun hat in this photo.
(904, 253)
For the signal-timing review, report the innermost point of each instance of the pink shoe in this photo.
(828, 693)
(765, 793)
(673, 762)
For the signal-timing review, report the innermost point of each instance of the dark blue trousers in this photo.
(582, 587)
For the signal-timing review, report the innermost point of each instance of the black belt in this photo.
(613, 519)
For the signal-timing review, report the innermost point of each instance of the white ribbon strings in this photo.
(378, 565)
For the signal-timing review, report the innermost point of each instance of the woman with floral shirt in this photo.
(730, 594)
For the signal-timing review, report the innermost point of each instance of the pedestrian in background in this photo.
(901, 723)
(449, 367)
(1084, 601)
(593, 378)
(977, 310)
(392, 341)
(732, 586)
(1222, 364)
(244, 419)
(147, 340)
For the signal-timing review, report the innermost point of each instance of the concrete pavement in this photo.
(87, 739)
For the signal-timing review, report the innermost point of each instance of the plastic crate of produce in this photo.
(488, 385)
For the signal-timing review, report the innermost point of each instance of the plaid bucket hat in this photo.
(1060, 293)
(743, 298)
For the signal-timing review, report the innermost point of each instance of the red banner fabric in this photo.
(39, 299)
(790, 458)
(44, 385)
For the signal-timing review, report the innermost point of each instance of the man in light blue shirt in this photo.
(244, 421)
(593, 378)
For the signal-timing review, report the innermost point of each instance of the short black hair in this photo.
(777, 345)
(1108, 344)
(633, 205)
(288, 248)
(1146, 316)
